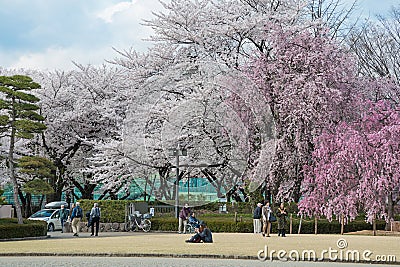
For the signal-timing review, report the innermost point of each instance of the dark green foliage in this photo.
(231, 207)
(3, 120)
(20, 105)
(35, 166)
(30, 115)
(164, 224)
(227, 224)
(25, 106)
(9, 228)
(3, 104)
(26, 128)
(111, 210)
(38, 187)
(19, 81)
(292, 207)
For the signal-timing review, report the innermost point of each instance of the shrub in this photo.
(112, 210)
(227, 224)
(9, 228)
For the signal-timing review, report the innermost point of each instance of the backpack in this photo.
(96, 213)
(78, 212)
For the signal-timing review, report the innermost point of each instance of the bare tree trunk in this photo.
(41, 201)
(12, 167)
(374, 225)
(390, 208)
(22, 199)
(342, 224)
(28, 207)
(316, 225)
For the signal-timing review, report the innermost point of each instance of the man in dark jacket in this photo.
(63, 217)
(257, 218)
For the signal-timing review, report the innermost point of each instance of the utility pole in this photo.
(177, 185)
(177, 152)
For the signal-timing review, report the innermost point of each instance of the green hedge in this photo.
(246, 226)
(111, 210)
(231, 207)
(114, 211)
(9, 228)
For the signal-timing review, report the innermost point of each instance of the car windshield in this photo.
(42, 214)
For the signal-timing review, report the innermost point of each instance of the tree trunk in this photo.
(41, 201)
(12, 167)
(316, 225)
(28, 207)
(268, 196)
(390, 209)
(342, 224)
(374, 225)
(23, 202)
(145, 190)
(87, 190)
(57, 182)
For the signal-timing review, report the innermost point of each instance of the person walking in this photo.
(64, 214)
(70, 212)
(281, 214)
(183, 218)
(257, 218)
(266, 215)
(76, 217)
(95, 218)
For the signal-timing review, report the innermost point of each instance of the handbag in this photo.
(272, 218)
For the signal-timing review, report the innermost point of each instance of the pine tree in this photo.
(18, 119)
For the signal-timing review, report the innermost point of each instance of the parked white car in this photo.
(51, 216)
(56, 205)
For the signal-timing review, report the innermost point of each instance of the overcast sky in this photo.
(49, 34)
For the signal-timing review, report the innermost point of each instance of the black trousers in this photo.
(95, 221)
(282, 232)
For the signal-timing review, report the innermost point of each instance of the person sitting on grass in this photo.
(203, 234)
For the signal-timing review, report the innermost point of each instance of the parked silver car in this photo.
(51, 216)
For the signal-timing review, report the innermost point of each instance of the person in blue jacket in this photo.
(76, 217)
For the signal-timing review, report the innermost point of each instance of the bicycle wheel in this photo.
(146, 225)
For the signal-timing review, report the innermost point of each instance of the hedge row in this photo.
(111, 210)
(9, 228)
(307, 227)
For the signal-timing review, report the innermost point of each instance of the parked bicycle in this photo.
(138, 222)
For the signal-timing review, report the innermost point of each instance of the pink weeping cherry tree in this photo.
(308, 81)
(355, 167)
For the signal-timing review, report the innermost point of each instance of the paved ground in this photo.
(157, 261)
(380, 249)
